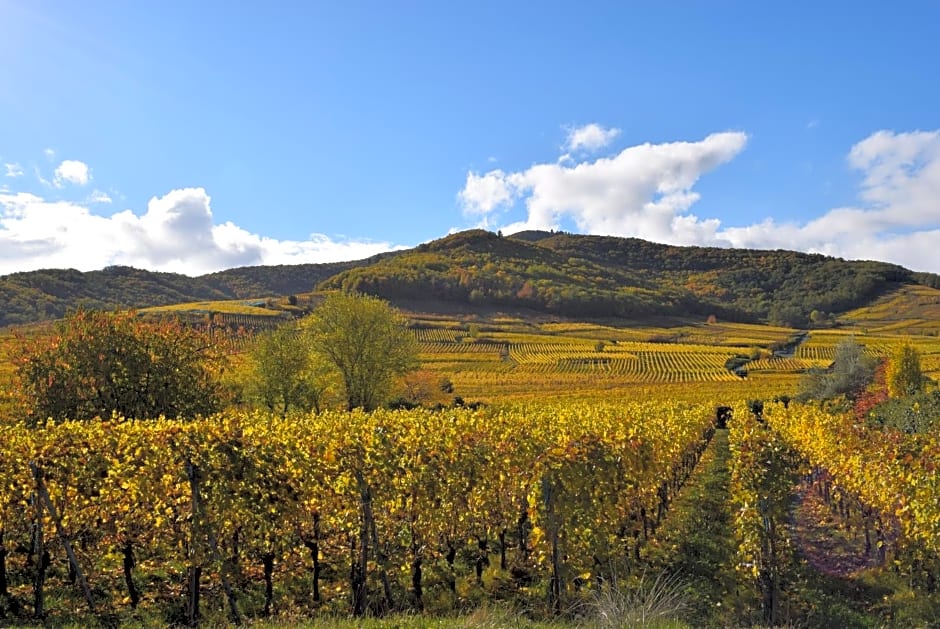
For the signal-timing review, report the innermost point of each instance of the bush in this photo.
(97, 364)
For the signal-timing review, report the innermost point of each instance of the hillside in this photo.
(556, 274)
(50, 293)
(912, 310)
(595, 276)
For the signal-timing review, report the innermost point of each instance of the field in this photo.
(590, 488)
(507, 358)
(911, 310)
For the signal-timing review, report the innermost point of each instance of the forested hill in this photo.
(597, 276)
(554, 273)
(50, 293)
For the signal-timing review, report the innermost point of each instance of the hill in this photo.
(596, 276)
(555, 274)
(50, 293)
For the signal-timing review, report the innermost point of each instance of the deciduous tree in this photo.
(849, 373)
(904, 375)
(99, 363)
(367, 341)
(284, 373)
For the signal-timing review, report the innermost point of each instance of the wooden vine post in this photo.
(42, 493)
(194, 569)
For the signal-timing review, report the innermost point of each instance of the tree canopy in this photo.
(99, 363)
(367, 341)
(847, 376)
(904, 376)
(284, 372)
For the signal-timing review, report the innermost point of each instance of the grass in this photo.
(696, 543)
(652, 609)
(657, 602)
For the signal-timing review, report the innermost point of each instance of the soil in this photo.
(820, 538)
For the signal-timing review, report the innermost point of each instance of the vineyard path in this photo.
(830, 551)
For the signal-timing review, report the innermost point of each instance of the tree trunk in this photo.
(370, 532)
(554, 585)
(192, 605)
(235, 559)
(194, 570)
(451, 556)
(75, 573)
(234, 616)
(483, 558)
(39, 577)
(382, 560)
(522, 526)
(416, 587)
(42, 560)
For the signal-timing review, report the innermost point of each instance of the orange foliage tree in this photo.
(99, 363)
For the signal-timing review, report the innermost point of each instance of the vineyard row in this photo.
(372, 510)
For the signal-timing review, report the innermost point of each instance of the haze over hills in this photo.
(554, 273)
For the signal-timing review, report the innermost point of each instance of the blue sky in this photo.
(195, 136)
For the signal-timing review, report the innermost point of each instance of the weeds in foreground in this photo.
(648, 604)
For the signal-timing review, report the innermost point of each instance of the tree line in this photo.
(99, 364)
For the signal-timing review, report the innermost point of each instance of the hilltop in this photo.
(556, 274)
(597, 276)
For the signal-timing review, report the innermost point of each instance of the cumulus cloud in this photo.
(177, 233)
(13, 170)
(484, 193)
(97, 196)
(71, 171)
(590, 137)
(643, 191)
(647, 191)
(897, 221)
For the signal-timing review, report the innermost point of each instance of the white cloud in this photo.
(898, 221)
(590, 137)
(642, 191)
(97, 196)
(176, 233)
(483, 194)
(647, 191)
(13, 170)
(71, 171)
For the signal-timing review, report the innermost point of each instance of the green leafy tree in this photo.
(367, 342)
(99, 363)
(818, 317)
(284, 373)
(904, 376)
(849, 373)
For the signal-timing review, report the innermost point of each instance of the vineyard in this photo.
(510, 358)
(576, 469)
(362, 513)
(502, 362)
(247, 515)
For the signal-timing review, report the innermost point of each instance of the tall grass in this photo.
(651, 603)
